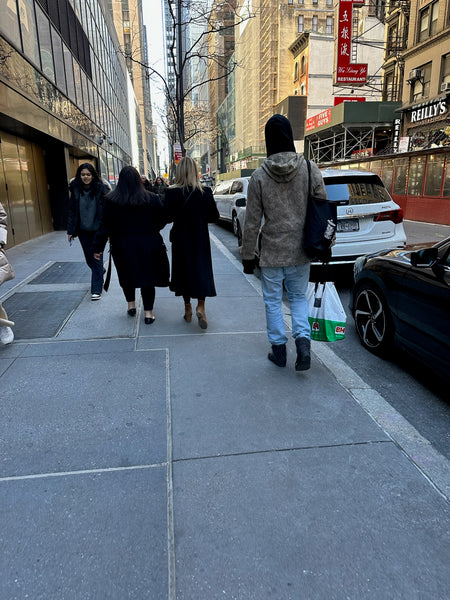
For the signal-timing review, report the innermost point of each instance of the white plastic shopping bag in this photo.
(326, 314)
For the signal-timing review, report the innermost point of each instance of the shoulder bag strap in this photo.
(308, 164)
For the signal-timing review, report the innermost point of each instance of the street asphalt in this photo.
(166, 462)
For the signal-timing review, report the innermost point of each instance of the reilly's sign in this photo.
(426, 113)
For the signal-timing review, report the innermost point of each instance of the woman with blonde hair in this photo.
(190, 207)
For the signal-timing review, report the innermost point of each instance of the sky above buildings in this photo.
(153, 21)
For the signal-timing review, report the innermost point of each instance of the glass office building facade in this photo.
(63, 101)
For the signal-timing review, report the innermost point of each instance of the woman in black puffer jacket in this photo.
(87, 193)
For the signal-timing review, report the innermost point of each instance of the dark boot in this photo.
(278, 355)
(303, 362)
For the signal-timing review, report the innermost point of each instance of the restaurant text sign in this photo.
(346, 71)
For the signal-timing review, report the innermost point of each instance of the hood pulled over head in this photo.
(279, 136)
(282, 166)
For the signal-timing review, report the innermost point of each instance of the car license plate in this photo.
(345, 225)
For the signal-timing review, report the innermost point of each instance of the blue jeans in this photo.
(86, 240)
(296, 283)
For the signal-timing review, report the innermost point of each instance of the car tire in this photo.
(373, 320)
(237, 229)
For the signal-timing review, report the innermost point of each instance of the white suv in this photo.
(368, 218)
(230, 197)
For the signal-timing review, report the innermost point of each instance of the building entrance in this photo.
(24, 189)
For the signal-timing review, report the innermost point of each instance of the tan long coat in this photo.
(278, 191)
(6, 271)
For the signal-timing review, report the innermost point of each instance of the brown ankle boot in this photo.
(201, 316)
(187, 313)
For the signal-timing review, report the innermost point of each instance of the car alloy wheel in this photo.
(373, 320)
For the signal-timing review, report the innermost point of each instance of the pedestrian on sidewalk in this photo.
(87, 193)
(6, 273)
(190, 207)
(278, 191)
(132, 220)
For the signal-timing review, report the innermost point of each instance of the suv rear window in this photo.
(356, 190)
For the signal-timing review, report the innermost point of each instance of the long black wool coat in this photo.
(137, 247)
(192, 271)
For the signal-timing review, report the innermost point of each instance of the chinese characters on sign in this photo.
(346, 71)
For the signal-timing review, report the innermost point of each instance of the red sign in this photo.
(310, 123)
(323, 118)
(346, 71)
(178, 154)
(340, 99)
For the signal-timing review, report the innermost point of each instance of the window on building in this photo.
(45, 44)
(28, 28)
(329, 25)
(59, 61)
(315, 2)
(300, 23)
(428, 18)
(435, 170)
(296, 71)
(9, 22)
(392, 39)
(445, 71)
(416, 173)
(300, 1)
(421, 87)
(315, 23)
(290, 1)
(303, 90)
(389, 92)
(329, 2)
(303, 65)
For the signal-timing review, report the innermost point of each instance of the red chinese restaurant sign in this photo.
(346, 71)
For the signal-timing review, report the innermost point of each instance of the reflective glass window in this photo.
(446, 190)
(9, 22)
(416, 173)
(78, 85)
(386, 174)
(85, 91)
(28, 28)
(45, 44)
(401, 171)
(69, 74)
(59, 61)
(435, 170)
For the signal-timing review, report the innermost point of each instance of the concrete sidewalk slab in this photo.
(225, 315)
(84, 411)
(354, 522)
(89, 536)
(249, 404)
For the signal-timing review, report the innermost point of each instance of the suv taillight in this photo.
(390, 215)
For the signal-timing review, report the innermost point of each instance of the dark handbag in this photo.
(320, 225)
(108, 273)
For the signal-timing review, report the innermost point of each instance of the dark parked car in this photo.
(402, 297)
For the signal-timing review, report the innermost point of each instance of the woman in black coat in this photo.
(191, 207)
(87, 193)
(132, 219)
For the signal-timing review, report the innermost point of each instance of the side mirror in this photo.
(424, 258)
(241, 202)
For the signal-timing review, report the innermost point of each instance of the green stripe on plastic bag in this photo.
(323, 330)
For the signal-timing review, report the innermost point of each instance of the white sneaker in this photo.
(6, 335)
(96, 296)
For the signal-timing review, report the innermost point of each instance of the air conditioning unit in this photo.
(415, 74)
(445, 86)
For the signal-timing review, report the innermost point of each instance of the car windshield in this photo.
(356, 190)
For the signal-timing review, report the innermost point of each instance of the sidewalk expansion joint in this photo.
(81, 472)
(280, 450)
